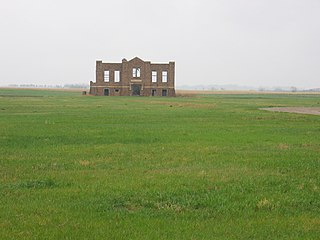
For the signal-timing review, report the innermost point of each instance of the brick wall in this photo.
(129, 85)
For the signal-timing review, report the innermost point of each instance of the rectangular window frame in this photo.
(164, 92)
(117, 76)
(136, 72)
(164, 76)
(154, 76)
(153, 92)
(106, 76)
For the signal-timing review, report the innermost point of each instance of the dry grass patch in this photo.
(265, 204)
(283, 146)
(84, 163)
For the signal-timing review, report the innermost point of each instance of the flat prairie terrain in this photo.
(242, 92)
(194, 167)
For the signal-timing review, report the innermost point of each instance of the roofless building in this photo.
(134, 78)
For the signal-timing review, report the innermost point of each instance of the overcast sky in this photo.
(243, 42)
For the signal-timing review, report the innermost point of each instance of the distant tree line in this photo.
(49, 86)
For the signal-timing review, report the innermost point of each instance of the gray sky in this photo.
(244, 42)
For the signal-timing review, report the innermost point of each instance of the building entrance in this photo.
(136, 89)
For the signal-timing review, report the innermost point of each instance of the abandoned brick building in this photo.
(134, 78)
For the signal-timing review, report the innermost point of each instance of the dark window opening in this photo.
(117, 90)
(164, 92)
(153, 92)
(106, 92)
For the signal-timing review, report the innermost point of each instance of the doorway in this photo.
(106, 92)
(135, 89)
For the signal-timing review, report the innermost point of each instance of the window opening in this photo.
(153, 92)
(154, 76)
(106, 76)
(164, 92)
(164, 76)
(116, 76)
(136, 72)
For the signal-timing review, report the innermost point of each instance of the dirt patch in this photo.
(302, 110)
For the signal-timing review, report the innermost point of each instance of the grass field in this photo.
(200, 167)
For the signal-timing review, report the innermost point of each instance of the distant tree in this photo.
(293, 89)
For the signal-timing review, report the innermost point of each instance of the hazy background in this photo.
(243, 42)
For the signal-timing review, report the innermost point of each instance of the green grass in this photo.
(203, 167)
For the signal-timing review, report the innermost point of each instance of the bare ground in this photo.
(303, 110)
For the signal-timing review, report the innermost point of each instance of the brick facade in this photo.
(134, 78)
